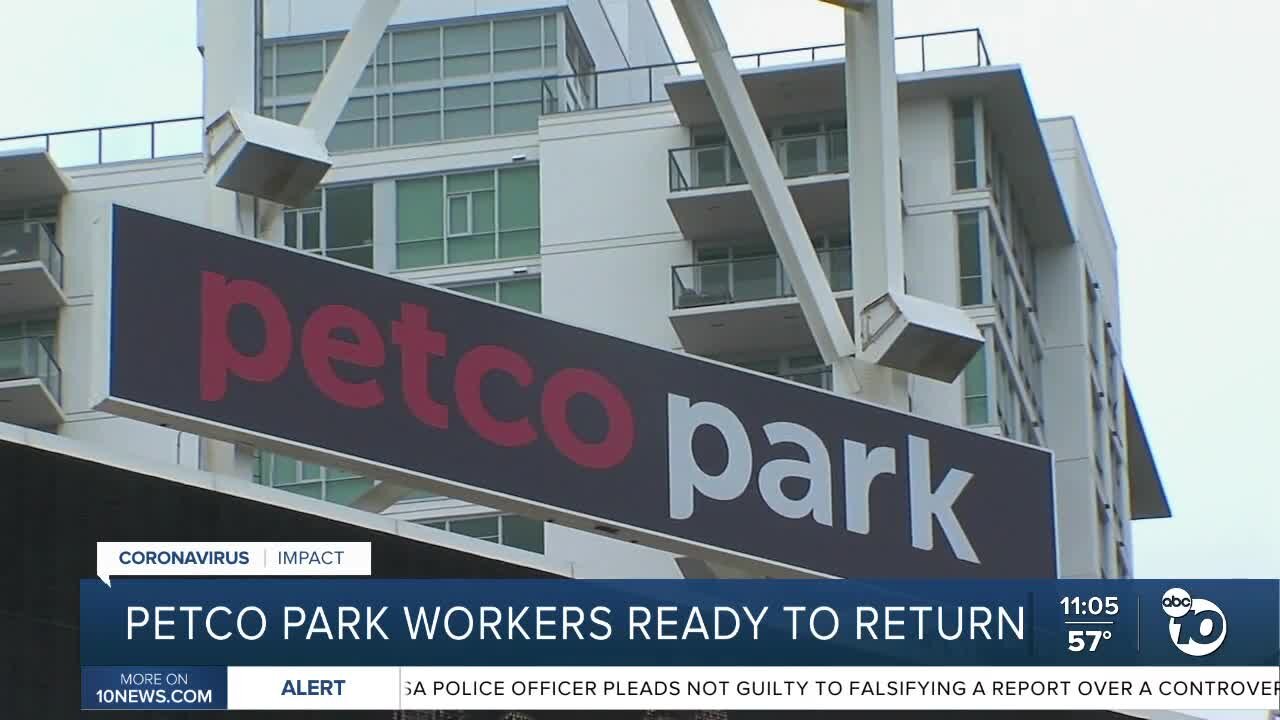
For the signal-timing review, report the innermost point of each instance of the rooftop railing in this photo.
(29, 240)
(722, 282)
(115, 143)
(560, 94)
(644, 84)
(29, 357)
(707, 166)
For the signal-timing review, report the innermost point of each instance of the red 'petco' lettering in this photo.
(418, 345)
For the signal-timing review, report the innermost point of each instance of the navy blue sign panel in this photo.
(243, 340)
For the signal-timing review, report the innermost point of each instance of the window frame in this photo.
(322, 213)
(379, 81)
(447, 230)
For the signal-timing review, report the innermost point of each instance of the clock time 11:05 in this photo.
(1093, 605)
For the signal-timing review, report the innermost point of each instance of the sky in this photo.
(1178, 109)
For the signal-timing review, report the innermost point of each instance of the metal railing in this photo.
(644, 84)
(115, 143)
(723, 282)
(29, 357)
(705, 166)
(29, 240)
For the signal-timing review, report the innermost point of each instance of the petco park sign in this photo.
(242, 340)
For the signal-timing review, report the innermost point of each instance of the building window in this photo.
(303, 478)
(467, 217)
(426, 84)
(804, 368)
(977, 398)
(964, 127)
(524, 293)
(972, 284)
(336, 222)
(510, 530)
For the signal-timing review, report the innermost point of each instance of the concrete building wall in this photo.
(607, 256)
(172, 187)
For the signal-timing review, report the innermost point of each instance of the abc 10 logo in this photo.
(1197, 626)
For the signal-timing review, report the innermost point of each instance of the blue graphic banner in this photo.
(190, 623)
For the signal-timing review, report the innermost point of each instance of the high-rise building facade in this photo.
(551, 156)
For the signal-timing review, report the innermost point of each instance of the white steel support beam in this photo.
(747, 137)
(344, 72)
(340, 80)
(875, 197)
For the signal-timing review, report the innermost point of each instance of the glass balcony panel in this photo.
(799, 156)
(26, 241)
(28, 357)
(743, 279)
(756, 278)
(711, 167)
(838, 151)
(715, 164)
(839, 266)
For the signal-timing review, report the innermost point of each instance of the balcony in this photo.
(710, 197)
(747, 304)
(30, 267)
(30, 383)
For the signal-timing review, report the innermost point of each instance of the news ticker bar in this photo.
(681, 688)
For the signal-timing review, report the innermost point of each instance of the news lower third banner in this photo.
(360, 643)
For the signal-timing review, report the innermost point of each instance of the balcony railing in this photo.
(29, 240)
(722, 282)
(28, 357)
(648, 83)
(707, 166)
(115, 143)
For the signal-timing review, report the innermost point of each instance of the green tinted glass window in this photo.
(525, 294)
(470, 248)
(488, 291)
(965, 143)
(299, 57)
(970, 254)
(420, 209)
(416, 45)
(485, 528)
(520, 198)
(976, 406)
(515, 34)
(349, 216)
(523, 533)
(470, 182)
(466, 39)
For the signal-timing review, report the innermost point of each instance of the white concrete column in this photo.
(875, 196)
(229, 29)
